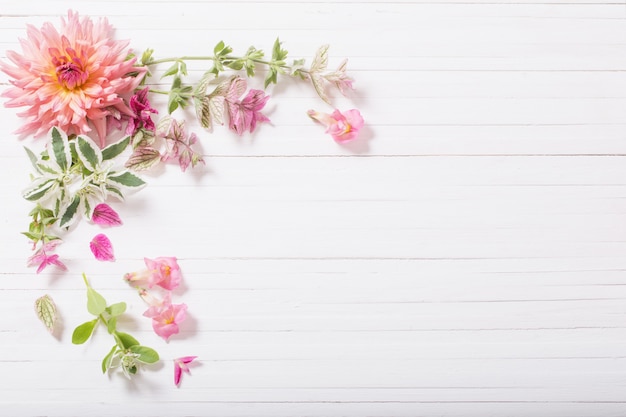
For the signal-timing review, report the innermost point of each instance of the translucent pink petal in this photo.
(101, 248)
(180, 365)
(104, 215)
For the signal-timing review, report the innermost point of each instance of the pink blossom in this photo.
(245, 114)
(141, 279)
(343, 127)
(180, 365)
(71, 78)
(166, 317)
(104, 215)
(43, 258)
(166, 271)
(101, 248)
(142, 110)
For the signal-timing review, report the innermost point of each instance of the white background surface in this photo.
(464, 258)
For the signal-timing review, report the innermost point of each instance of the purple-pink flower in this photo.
(166, 317)
(180, 365)
(71, 78)
(43, 256)
(101, 248)
(343, 127)
(141, 108)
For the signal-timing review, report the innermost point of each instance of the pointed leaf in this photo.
(33, 159)
(108, 359)
(83, 332)
(320, 62)
(115, 149)
(102, 249)
(216, 109)
(127, 179)
(39, 189)
(237, 87)
(116, 309)
(318, 84)
(60, 149)
(68, 215)
(96, 304)
(146, 354)
(143, 158)
(126, 340)
(88, 152)
(203, 111)
(46, 311)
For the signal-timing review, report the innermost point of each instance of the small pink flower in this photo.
(245, 114)
(142, 279)
(101, 248)
(104, 215)
(43, 258)
(166, 317)
(180, 365)
(166, 272)
(140, 105)
(343, 127)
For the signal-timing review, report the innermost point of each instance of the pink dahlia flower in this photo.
(71, 78)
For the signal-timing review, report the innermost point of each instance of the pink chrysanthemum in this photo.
(72, 78)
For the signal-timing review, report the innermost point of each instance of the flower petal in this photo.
(104, 215)
(101, 248)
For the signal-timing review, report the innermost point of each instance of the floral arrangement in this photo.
(88, 97)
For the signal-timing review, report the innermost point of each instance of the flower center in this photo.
(70, 72)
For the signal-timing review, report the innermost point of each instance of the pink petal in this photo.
(180, 365)
(104, 215)
(101, 248)
(178, 373)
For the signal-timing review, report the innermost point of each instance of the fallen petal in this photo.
(101, 248)
(104, 215)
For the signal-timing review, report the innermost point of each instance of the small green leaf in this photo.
(46, 311)
(68, 215)
(218, 48)
(171, 70)
(127, 179)
(146, 354)
(115, 149)
(116, 309)
(83, 332)
(111, 325)
(61, 149)
(88, 152)
(39, 189)
(278, 54)
(96, 304)
(33, 158)
(125, 340)
(108, 359)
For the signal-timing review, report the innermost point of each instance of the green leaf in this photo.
(115, 191)
(126, 340)
(39, 189)
(272, 77)
(218, 48)
(108, 359)
(115, 149)
(111, 325)
(127, 179)
(146, 354)
(46, 311)
(171, 70)
(116, 309)
(96, 304)
(33, 159)
(278, 54)
(88, 152)
(83, 332)
(61, 149)
(69, 214)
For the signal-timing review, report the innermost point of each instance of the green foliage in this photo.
(276, 64)
(127, 353)
(46, 311)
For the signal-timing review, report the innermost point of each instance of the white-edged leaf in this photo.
(216, 109)
(46, 311)
(59, 149)
(69, 213)
(115, 149)
(88, 152)
(39, 189)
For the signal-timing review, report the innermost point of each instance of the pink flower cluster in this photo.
(161, 274)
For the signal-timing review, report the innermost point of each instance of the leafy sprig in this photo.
(127, 353)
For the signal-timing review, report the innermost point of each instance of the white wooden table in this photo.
(466, 257)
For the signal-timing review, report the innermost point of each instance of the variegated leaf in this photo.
(46, 311)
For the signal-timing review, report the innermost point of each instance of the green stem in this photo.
(212, 58)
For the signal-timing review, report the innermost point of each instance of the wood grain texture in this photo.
(464, 258)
